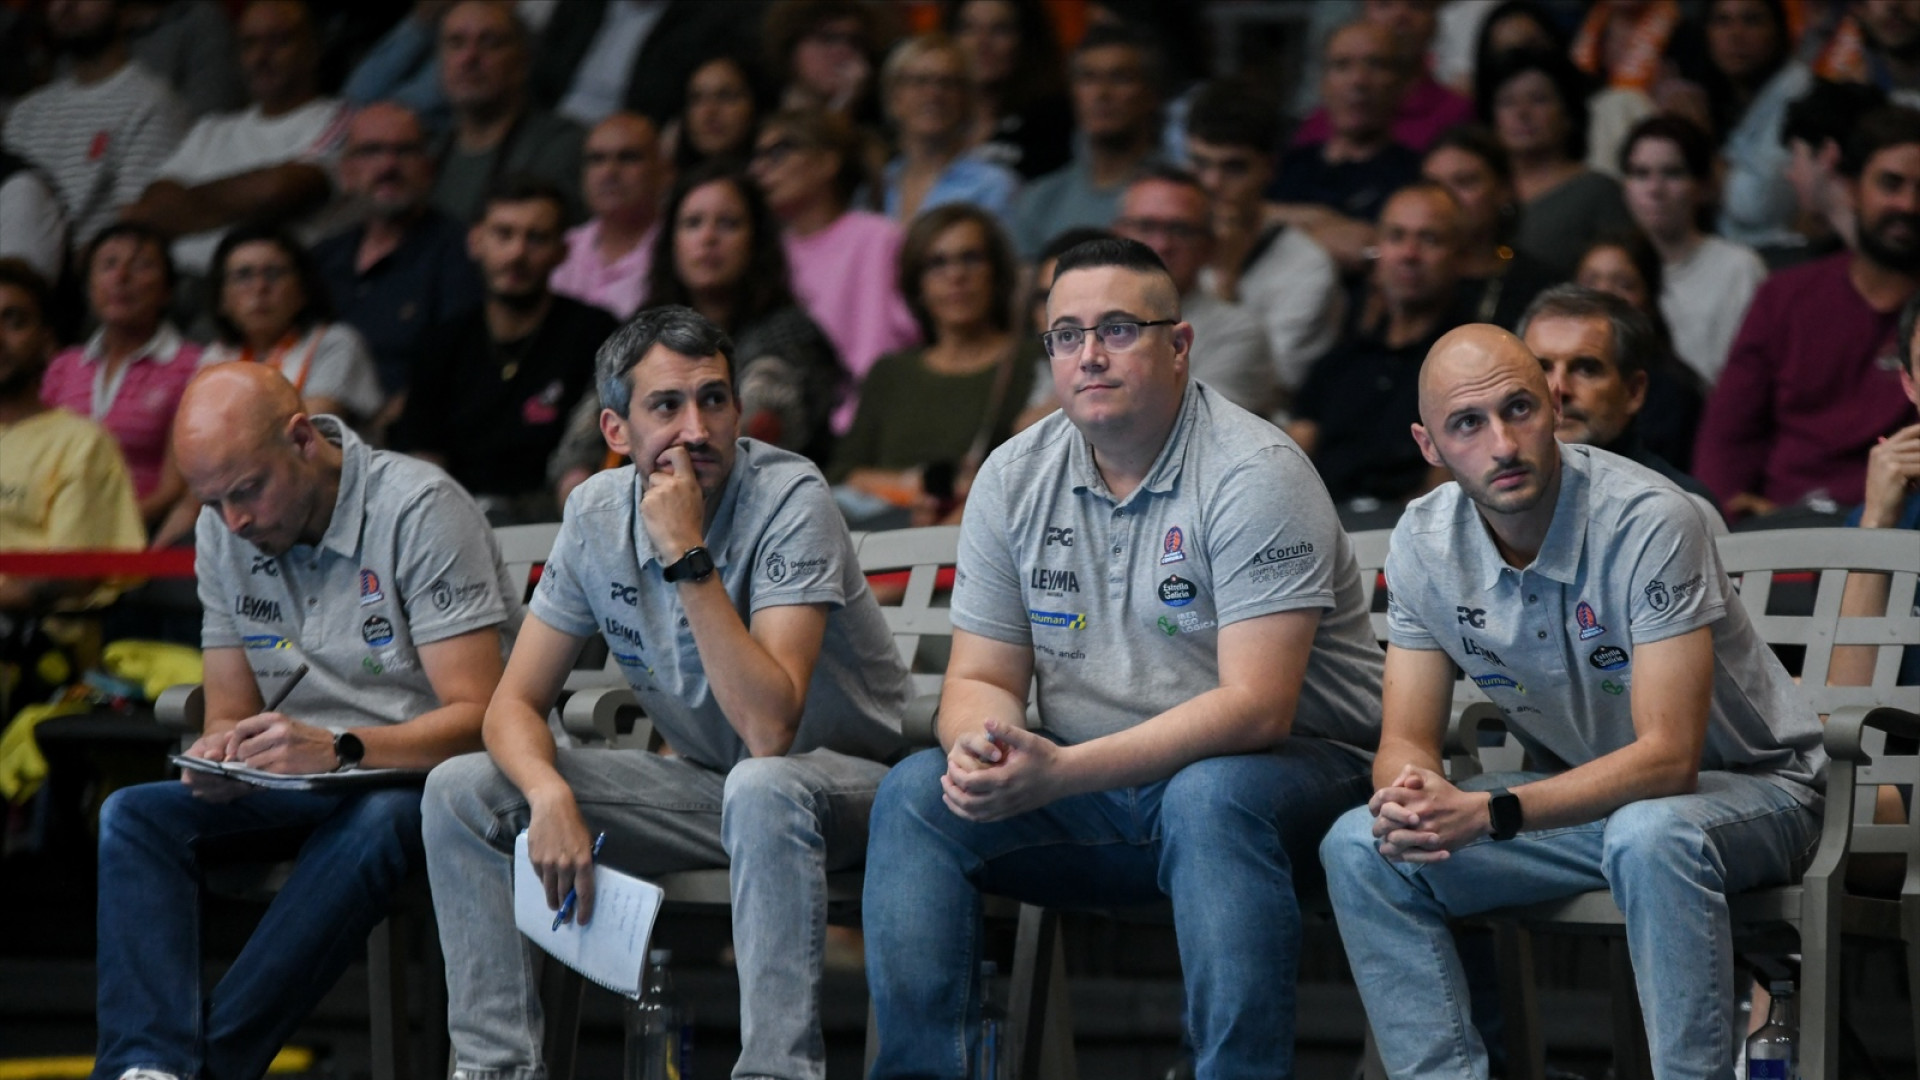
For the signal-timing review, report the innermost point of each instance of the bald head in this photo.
(1471, 358)
(232, 411)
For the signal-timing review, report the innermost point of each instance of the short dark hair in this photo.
(315, 308)
(1636, 345)
(1108, 35)
(1893, 125)
(1696, 146)
(1164, 173)
(914, 249)
(1481, 142)
(1569, 85)
(1909, 319)
(1235, 112)
(522, 187)
(139, 230)
(819, 129)
(20, 274)
(1067, 239)
(1119, 252)
(676, 326)
(1828, 112)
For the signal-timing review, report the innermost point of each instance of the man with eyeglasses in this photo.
(1170, 212)
(405, 271)
(1168, 571)
(609, 256)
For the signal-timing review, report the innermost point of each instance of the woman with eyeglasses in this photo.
(929, 415)
(130, 374)
(929, 101)
(270, 307)
(843, 261)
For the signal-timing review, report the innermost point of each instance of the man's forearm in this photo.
(967, 704)
(516, 738)
(1395, 754)
(424, 741)
(756, 695)
(1644, 769)
(274, 192)
(1225, 720)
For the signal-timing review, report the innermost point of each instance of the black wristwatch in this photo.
(695, 565)
(1503, 813)
(347, 749)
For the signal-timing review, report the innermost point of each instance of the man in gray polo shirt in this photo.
(375, 571)
(1170, 571)
(725, 582)
(1584, 594)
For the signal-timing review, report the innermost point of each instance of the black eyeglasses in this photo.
(1115, 336)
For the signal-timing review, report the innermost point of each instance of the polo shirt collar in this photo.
(1560, 552)
(350, 505)
(716, 538)
(1165, 471)
(161, 348)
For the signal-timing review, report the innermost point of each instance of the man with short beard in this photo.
(406, 270)
(491, 401)
(100, 131)
(1812, 380)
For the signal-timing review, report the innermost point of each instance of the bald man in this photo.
(1584, 594)
(609, 256)
(375, 573)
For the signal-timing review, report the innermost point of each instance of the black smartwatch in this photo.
(347, 749)
(695, 565)
(1503, 813)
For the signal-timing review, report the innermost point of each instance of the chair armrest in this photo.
(919, 723)
(593, 714)
(1462, 746)
(1845, 725)
(182, 707)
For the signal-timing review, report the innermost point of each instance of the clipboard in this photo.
(350, 780)
(612, 949)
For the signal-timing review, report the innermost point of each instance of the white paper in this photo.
(322, 782)
(612, 949)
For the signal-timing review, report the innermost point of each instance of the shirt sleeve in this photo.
(449, 579)
(1405, 628)
(987, 598)
(804, 555)
(1677, 584)
(1729, 454)
(32, 226)
(559, 601)
(1272, 554)
(217, 629)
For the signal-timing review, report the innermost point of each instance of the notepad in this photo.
(612, 949)
(350, 780)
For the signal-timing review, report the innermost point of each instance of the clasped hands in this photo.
(269, 741)
(1000, 772)
(1422, 818)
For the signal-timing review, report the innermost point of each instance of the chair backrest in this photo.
(524, 548)
(911, 569)
(1792, 583)
(1370, 551)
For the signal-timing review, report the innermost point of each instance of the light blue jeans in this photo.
(1669, 863)
(1227, 839)
(780, 824)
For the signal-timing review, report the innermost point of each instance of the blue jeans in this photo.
(153, 1012)
(1670, 864)
(1221, 838)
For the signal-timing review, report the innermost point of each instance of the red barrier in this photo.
(166, 563)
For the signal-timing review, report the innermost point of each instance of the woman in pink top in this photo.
(130, 373)
(844, 262)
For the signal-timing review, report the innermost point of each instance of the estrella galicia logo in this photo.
(1500, 682)
(265, 564)
(1589, 622)
(630, 594)
(1059, 620)
(1173, 547)
(1608, 658)
(370, 587)
(776, 567)
(265, 641)
(376, 631)
(1474, 617)
(1176, 591)
(1657, 594)
(1058, 535)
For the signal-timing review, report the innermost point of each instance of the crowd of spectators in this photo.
(430, 219)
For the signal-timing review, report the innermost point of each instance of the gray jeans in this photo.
(779, 823)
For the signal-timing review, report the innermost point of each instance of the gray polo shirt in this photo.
(777, 540)
(407, 560)
(1122, 600)
(1629, 560)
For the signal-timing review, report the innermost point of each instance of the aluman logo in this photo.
(1059, 620)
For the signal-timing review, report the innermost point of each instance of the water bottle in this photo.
(658, 1037)
(1773, 1052)
(989, 1061)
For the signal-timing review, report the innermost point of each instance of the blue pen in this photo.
(566, 906)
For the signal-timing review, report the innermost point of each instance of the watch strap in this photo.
(696, 564)
(1503, 814)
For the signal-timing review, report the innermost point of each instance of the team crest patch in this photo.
(1657, 594)
(1174, 547)
(370, 587)
(1589, 622)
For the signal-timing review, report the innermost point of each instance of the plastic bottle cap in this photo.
(1780, 988)
(660, 956)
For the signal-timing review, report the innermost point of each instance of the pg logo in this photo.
(1056, 535)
